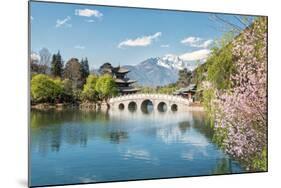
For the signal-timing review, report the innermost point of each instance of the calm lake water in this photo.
(72, 146)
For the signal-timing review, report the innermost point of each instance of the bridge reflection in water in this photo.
(149, 102)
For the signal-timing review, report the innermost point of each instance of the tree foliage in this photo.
(45, 89)
(218, 67)
(89, 92)
(39, 63)
(221, 67)
(68, 92)
(106, 86)
(242, 110)
(57, 65)
(184, 78)
(233, 83)
(105, 68)
(168, 89)
(72, 71)
(85, 71)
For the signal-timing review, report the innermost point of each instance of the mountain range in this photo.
(155, 71)
(159, 71)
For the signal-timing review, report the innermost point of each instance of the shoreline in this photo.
(63, 106)
(196, 108)
(90, 106)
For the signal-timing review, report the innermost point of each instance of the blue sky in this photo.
(120, 35)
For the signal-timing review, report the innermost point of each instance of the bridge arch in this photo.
(141, 101)
(162, 107)
(121, 106)
(174, 107)
(132, 106)
(147, 106)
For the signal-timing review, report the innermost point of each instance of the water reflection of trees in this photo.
(49, 129)
(116, 136)
(184, 126)
(224, 166)
(202, 124)
(47, 117)
(180, 133)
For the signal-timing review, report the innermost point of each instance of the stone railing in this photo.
(163, 97)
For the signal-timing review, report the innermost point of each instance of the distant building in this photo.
(123, 83)
(187, 92)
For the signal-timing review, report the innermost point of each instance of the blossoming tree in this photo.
(241, 115)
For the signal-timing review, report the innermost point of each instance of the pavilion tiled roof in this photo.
(121, 70)
(118, 80)
(190, 88)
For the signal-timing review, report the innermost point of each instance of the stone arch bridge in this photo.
(158, 101)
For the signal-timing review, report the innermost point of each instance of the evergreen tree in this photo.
(56, 65)
(85, 69)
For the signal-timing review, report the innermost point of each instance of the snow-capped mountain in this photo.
(171, 61)
(159, 71)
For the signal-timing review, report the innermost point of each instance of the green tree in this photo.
(106, 68)
(221, 67)
(89, 91)
(68, 94)
(72, 71)
(45, 89)
(184, 78)
(167, 89)
(56, 65)
(106, 86)
(147, 89)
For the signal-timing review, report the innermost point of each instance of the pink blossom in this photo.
(242, 111)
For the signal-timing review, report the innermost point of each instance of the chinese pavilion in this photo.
(123, 83)
(187, 92)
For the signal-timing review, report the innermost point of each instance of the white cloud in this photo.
(79, 47)
(140, 41)
(206, 43)
(88, 13)
(197, 42)
(200, 55)
(165, 46)
(191, 40)
(64, 22)
(31, 18)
